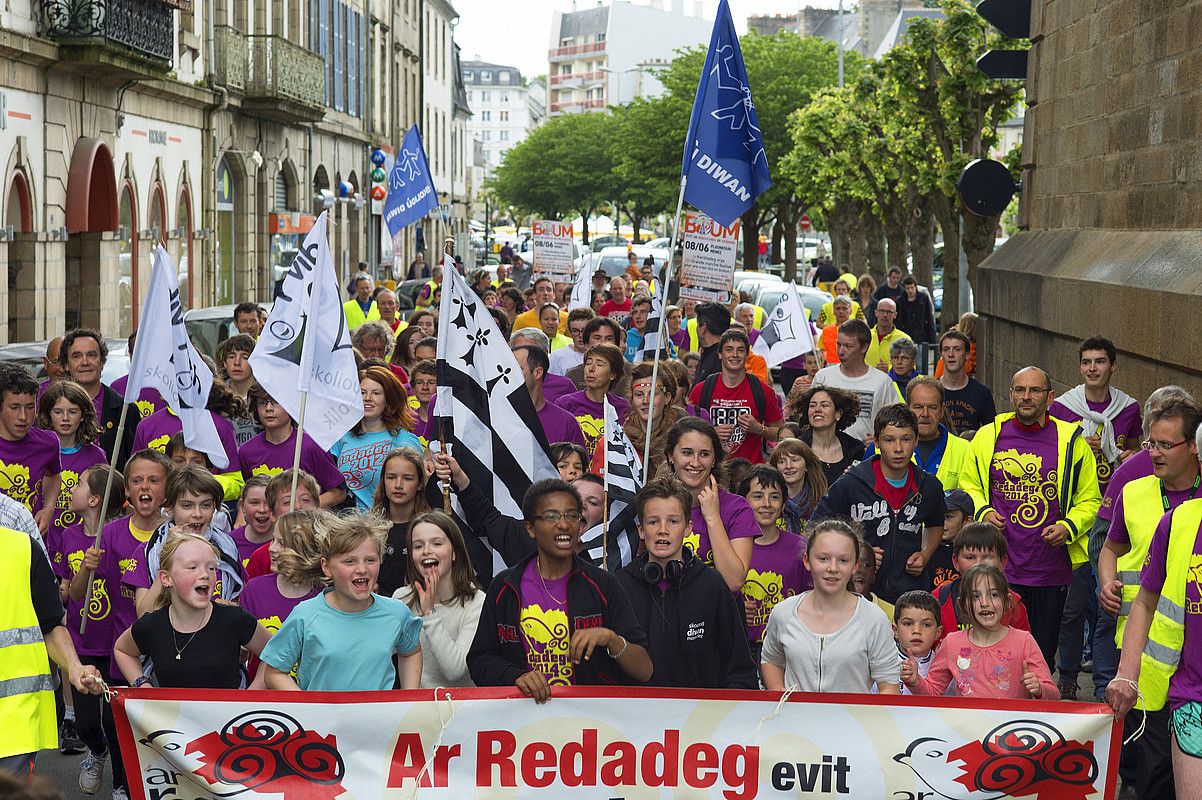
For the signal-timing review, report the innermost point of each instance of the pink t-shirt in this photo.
(995, 671)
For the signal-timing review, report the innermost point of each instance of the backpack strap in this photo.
(707, 390)
(757, 395)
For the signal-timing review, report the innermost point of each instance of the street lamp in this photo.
(618, 72)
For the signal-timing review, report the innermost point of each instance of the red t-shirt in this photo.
(728, 403)
(609, 307)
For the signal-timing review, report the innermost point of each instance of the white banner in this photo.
(609, 743)
(552, 243)
(708, 259)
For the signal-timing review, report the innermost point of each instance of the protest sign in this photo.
(609, 743)
(708, 261)
(552, 243)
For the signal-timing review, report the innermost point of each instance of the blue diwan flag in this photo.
(724, 160)
(411, 194)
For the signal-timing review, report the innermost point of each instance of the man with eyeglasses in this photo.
(565, 358)
(1172, 431)
(554, 619)
(1110, 422)
(1034, 478)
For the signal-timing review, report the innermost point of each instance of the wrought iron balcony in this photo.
(124, 37)
(284, 81)
(229, 57)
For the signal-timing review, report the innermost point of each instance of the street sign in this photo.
(986, 187)
(804, 223)
(1011, 17)
(1004, 64)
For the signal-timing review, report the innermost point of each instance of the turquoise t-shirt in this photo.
(336, 651)
(360, 457)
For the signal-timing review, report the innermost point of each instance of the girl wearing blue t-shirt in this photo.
(344, 639)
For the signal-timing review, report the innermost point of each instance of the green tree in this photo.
(645, 175)
(564, 168)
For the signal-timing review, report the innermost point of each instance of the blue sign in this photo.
(411, 194)
(725, 165)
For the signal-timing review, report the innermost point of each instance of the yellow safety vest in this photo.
(27, 701)
(355, 316)
(694, 342)
(1142, 509)
(954, 455)
(1162, 654)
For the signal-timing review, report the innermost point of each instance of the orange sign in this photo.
(290, 222)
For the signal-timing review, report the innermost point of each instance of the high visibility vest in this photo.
(1162, 654)
(694, 342)
(1142, 509)
(757, 320)
(26, 689)
(954, 455)
(355, 316)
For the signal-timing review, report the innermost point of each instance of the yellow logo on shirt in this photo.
(272, 624)
(159, 443)
(1018, 477)
(145, 408)
(263, 469)
(67, 517)
(75, 561)
(546, 635)
(127, 565)
(99, 604)
(767, 589)
(593, 429)
(1193, 606)
(14, 482)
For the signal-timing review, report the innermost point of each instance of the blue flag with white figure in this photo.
(411, 193)
(724, 159)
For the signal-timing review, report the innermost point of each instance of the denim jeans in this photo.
(1073, 623)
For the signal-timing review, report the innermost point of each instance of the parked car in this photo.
(769, 296)
(613, 259)
(597, 243)
(212, 325)
(29, 355)
(663, 241)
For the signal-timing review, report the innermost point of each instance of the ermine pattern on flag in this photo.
(622, 470)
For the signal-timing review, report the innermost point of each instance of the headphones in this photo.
(653, 573)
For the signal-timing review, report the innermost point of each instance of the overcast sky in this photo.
(516, 33)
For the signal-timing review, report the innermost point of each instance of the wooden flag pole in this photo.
(296, 453)
(605, 530)
(448, 249)
(104, 504)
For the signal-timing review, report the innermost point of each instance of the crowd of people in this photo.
(856, 527)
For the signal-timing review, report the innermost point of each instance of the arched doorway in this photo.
(18, 213)
(185, 262)
(127, 259)
(91, 249)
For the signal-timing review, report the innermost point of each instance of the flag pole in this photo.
(296, 452)
(605, 492)
(448, 254)
(104, 504)
(663, 318)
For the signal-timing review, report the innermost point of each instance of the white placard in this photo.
(708, 262)
(552, 242)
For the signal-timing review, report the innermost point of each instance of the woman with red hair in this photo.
(387, 424)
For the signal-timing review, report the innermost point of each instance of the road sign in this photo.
(804, 223)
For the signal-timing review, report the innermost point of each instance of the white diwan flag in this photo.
(171, 364)
(306, 346)
(787, 333)
(582, 289)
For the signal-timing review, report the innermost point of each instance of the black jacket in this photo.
(485, 529)
(696, 636)
(899, 534)
(498, 655)
(110, 419)
(708, 365)
(916, 318)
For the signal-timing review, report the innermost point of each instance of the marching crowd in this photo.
(865, 528)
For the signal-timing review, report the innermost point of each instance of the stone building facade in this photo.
(1112, 167)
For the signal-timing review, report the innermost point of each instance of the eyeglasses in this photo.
(555, 516)
(1163, 447)
(1023, 391)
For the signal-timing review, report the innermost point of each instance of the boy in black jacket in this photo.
(554, 619)
(899, 507)
(695, 630)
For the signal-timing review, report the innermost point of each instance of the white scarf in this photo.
(1095, 424)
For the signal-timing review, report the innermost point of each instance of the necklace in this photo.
(179, 651)
(538, 568)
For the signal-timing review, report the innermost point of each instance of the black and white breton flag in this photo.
(486, 412)
(651, 341)
(622, 470)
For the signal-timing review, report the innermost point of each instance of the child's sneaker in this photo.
(91, 773)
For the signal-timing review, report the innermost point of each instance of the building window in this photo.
(468, 75)
(504, 116)
(485, 97)
(504, 97)
(488, 136)
(505, 76)
(486, 75)
(504, 136)
(486, 116)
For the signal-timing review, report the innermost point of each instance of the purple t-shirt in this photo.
(122, 553)
(591, 416)
(246, 548)
(261, 457)
(73, 462)
(737, 518)
(776, 572)
(149, 400)
(559, 425)
(1118, 525)
(1138, 466)
(681, 340)
(556, 386)
(154, 432)
(66, 550)
(1128, 429)
(1023, 488)
(543, 621)
(262, 598)
(1186, 684)
(23, 464)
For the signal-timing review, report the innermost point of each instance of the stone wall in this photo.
(1112, 173)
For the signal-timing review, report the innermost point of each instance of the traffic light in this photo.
(379, 180)
(1013, 19)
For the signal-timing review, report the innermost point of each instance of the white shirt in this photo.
(875, 390)
(564, 359)
(15, 516)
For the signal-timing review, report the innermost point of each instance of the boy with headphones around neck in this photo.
(694, 626)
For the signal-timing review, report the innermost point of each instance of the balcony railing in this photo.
(229, 57)
(595, 75)
(568, 105)
(572, 50)
(105, 32)
(284, 80)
